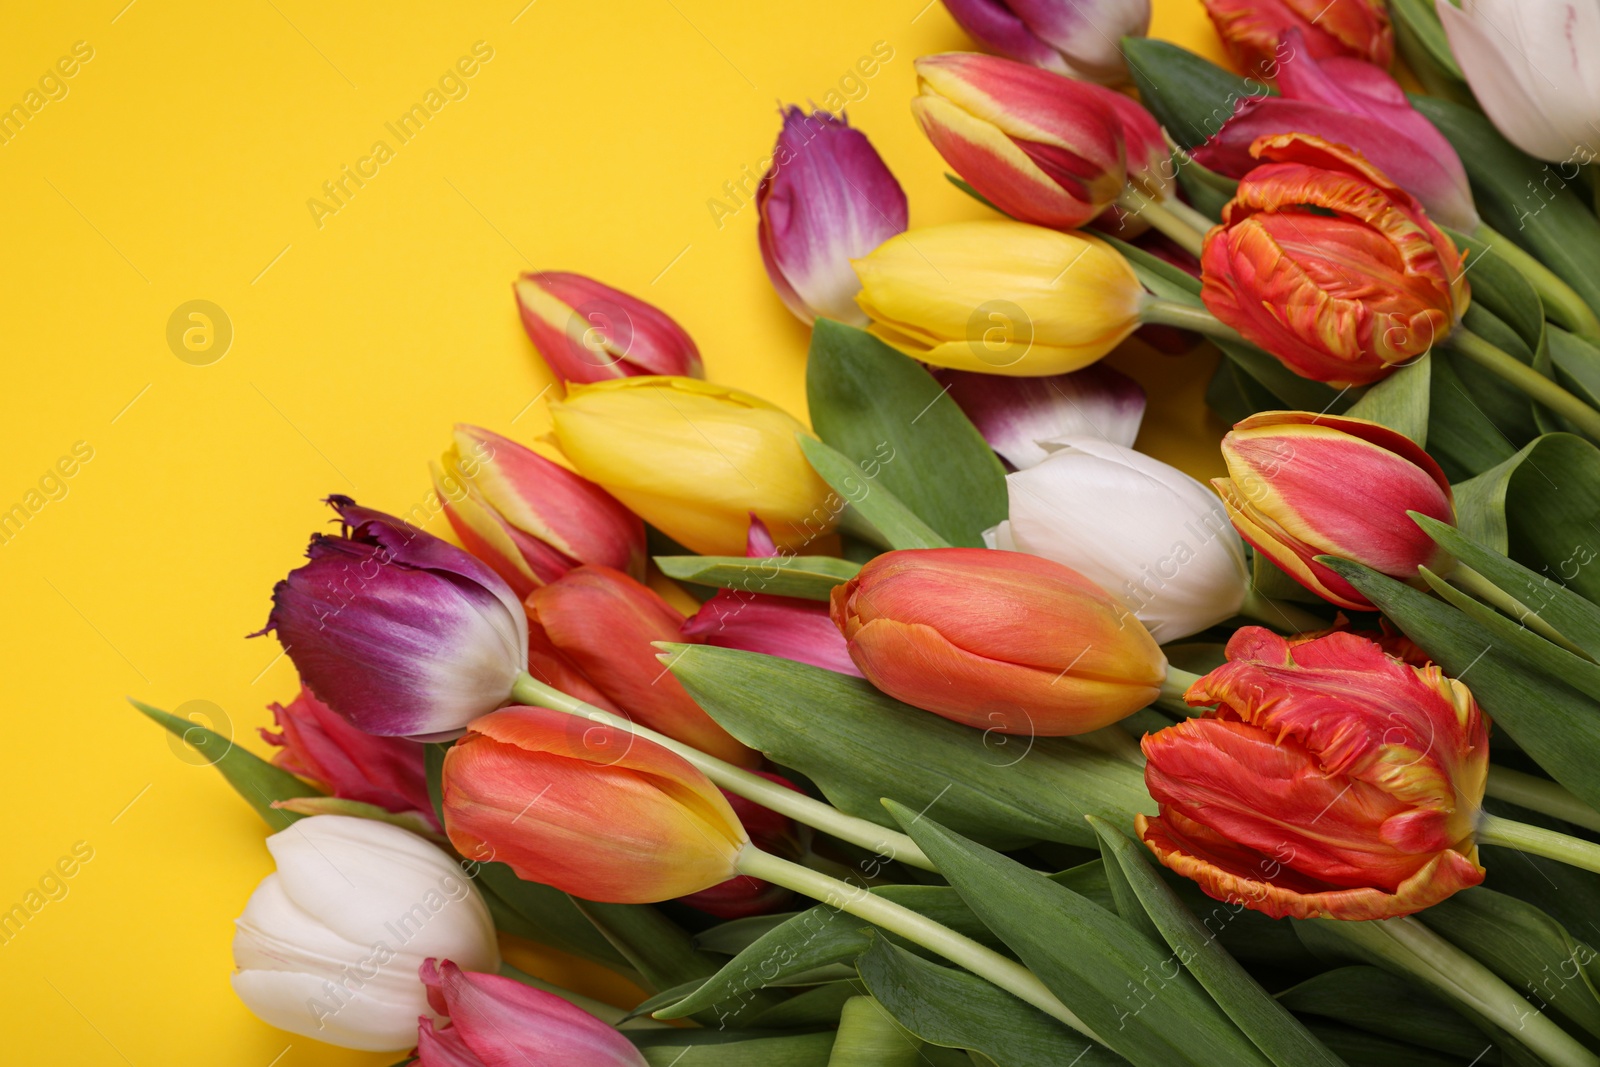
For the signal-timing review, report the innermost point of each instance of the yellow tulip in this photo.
(695, 459)
(1000, 297)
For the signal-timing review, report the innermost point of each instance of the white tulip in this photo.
(329, 945)
(1144, 531)
(1534, 66)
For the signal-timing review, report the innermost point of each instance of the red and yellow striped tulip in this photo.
(587, 808)
(1254, 30)
(998, 640)
(1301, 485)
(1331, 781)
(589, 332)
(1330, 266)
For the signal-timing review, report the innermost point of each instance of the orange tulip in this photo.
(1254, 30)
(999, 640)
(587, 808)
(1327, 264)
(1332, 781)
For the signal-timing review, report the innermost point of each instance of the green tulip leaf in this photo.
(1192, 97)
(1460, 436)
(1370, 1050)
(731, 1048)
(259, 782)
(815, 1007)
(858, 745)
(1500, 287)
(884, 513)
(734, 936)
(956, 1009)
(1419, 20)
(1401, 401)
(1381, 1003)
(888, 415)
(1576, 363)
(806, 577)
(1263, 1020)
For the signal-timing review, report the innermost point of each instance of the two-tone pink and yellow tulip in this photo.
(588, 331)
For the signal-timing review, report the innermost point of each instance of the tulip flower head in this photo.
(589, 332)
(1349, 102)
(1000, 297)
(743, 896)
(1255, 31)
(694, 460)
(399, 632)
(826, 199)
(1531, 67)
(1302, 485)
(330, 943)
(1141, 529)
(998, 640)
(1331, 781)
(587, 808)
(1039, 146)
(1073, 37)
(1327, 264)
(494, 1020)
(1015, 415)
(528, 517)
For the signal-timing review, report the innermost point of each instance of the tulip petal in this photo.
(795, 629)
(1016, 414)
(589, 332)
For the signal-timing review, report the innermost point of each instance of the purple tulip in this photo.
(1354, 103)
(1080, 38)
(1016, 414)
(399, 632)
(827, 199)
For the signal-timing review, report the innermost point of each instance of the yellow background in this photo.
(177, 167)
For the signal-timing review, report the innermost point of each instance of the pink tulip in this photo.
(589, 332)
(1079, 38)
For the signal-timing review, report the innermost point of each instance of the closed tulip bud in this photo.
(589, 332)
(1332, 781)
(743, 896)
(998, 640)
(1530, 67)
(1301, 485)
(399, 632)
(1075, 37)
(694, 460)
(1349, 102)
(1138, 528)
(1327, 264)
(329, 944)
(590, 809)
(1254, 30)
(1016, 414)
(529, 518)
(826, 199)
(1000, 297)
(494, 1020)
(350, 764)
(1148, 162)
(605, 623)
(1039, 146)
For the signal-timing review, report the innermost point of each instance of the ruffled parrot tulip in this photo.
(1041, 147)
(401, 633)
(1254, 31)
(329, 944)
(604, 623)
(1349, 102)
(589, 332)
(496, 1021)
(1330, 266)
(695, 459)
(1000, 297)
(1302, 485)
(1074, 37)
(827, 199)
(1141, 529)
(1331, 781)
(351, 764)
(590, 809)
(1016, 414)
(998, 640)
(529, 518)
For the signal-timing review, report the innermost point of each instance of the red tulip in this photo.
(1332, 780)
(1254, 30)
(589, 332)
(1327, 264)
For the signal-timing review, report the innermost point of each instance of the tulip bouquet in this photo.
(951, 728)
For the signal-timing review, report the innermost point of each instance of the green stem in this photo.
(958, 948)
(1573, 851)
(1409, 947)
(1542, 795)
(1525, 379)
(606, 1013)
(1279, 614)
(890, 843)
(1173, 686)
(1171, 217)
(1187, 316)
(1469, 580)
(1559, 299)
